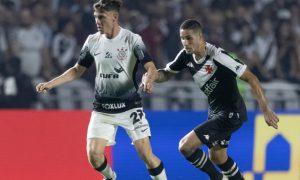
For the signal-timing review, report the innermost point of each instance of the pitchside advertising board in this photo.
(50, 145)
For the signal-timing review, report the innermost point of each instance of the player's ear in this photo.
(200, 34)
(115, 15)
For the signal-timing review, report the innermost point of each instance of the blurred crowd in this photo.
(39, 39)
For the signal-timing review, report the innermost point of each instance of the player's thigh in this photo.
(216, 131)
(96, 146)
(138, 127)
(101, 126)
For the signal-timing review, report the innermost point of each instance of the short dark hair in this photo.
(108, 5)
(191, 24)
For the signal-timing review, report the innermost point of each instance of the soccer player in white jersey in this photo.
(215, 72)
(116, 53)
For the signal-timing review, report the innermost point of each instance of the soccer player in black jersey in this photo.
(215, 72)
(116, 53)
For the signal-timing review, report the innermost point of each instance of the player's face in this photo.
(105, 20)
(190, 40)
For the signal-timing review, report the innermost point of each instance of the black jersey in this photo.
(215, 74)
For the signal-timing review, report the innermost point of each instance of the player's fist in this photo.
(147, 84)
(43, 87)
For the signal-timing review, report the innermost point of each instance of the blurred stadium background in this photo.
(43, 136)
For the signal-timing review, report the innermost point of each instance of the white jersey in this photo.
(116, 60)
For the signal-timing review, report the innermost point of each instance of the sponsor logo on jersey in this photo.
(122, 54)
(119, 70)
(96, 54)
(108, 55)
(113, 106)
(109, 76)
(210, 86)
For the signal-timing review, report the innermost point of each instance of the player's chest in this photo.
(111, 52)
(202, 71)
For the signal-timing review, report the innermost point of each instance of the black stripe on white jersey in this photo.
(224, 52)
(85, 58)
(195, 66)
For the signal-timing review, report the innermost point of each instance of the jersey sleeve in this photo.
(141, 52)
(178, 64)
(85, 58)
(235, 65)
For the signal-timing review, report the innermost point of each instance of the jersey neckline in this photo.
(115, 38)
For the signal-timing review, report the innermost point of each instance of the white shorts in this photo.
(104, 125)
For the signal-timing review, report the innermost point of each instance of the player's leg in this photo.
(221, 132)
(229, 168)
(138, 130)
(189, 147)
(154, 164)
(99, 135)
(97, 159)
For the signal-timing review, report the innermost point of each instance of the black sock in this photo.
(201, 161)
(158, 172)
(231, 170)
(105, 170)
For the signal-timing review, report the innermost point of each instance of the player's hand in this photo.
(271, 119)
(147, 84)
(43, 87)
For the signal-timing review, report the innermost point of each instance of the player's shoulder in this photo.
(212, 49)
(182, 52)
(93, 38)
(183, 56)
(128, 32)
(130, 36)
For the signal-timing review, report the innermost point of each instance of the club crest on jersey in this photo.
(122, 54)
(209, 69)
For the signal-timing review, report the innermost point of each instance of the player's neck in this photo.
(201, 53)
(114, 32)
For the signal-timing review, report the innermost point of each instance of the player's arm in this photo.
(163, 75)
(69, 75)
(270, 117)
(149, 77)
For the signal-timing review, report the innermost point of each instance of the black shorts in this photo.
(217, 129)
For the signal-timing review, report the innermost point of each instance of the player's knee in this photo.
(95, 158)
(184, 147)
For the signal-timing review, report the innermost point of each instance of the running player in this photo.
(215, 72)
(116, 53)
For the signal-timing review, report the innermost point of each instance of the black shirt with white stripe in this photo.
(215, 74)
